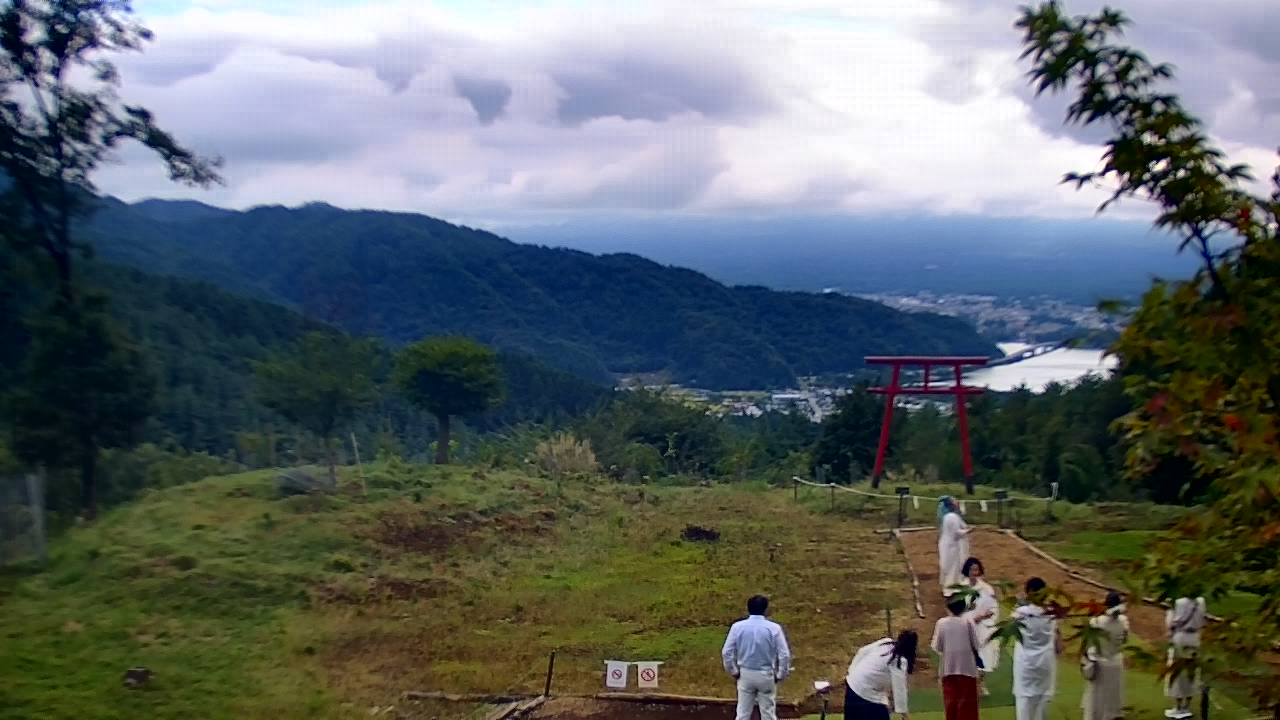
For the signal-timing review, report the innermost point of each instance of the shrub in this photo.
(563, 454)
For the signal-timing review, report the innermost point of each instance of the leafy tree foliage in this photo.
(1204, 353)
(53, 139)
(847, 446)
(449, 376)
(650, 433)
(60, 118)
(82, 389)
(321, 383)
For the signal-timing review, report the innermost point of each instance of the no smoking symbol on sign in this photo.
(648, 674)
(617, 674)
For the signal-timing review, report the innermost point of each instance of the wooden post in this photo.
(833, 497)
(795, 489)
(551, 668)
(903, 492)
(1204, 703)
(1001, 496)
(364, 484)
(888, 622)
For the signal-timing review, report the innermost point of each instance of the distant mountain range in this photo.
(403, 276)
(1079, 261)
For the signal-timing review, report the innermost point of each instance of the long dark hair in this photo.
(904, 648)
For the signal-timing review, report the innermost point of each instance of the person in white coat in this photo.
(984, 614)
(953, 543)
(1184, 623)
(1035, 660)
(1103, 665)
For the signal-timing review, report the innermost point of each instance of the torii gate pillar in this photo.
(959, 390)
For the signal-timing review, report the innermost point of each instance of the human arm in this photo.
(784, 654)
(1057, 639)
(729, 653)
(898, 682)
(935, 644)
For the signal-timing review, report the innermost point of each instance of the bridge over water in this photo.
(1029, 352)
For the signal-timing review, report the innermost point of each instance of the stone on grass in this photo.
(299, 481)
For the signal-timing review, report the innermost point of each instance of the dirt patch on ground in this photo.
(1007, 559)
(379, 589)
(429, 532)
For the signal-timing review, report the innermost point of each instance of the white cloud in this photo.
(501, 110)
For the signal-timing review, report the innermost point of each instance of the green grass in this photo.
(246, 605)
(250, 606)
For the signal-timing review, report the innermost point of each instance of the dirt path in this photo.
(1007, 559)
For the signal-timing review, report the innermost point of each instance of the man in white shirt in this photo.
(756, 655)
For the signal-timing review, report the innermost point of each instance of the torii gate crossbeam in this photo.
(959, 390)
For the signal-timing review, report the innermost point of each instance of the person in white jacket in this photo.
(984, 614)
(878, 673)
(1184, 623)
(1035, 657)
(953, 543)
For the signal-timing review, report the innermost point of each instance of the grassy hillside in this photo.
(403, 276)
(246, 605)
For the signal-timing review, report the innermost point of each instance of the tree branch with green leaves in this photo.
(1201, 356)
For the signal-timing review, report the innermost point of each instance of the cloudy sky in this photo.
(492, 111)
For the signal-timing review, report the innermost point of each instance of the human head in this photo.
(957, 604)
(973, 568)
(757, 605)
(905, 648)
(1034, 587)
(945, 505)
(1114, 599)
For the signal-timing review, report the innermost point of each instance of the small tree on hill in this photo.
(321, 383)
(449, 376)
(1202, 356)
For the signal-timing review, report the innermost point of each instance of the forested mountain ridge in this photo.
(201, 343)
(403, 276)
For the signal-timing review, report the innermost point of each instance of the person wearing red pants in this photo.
(956, 643)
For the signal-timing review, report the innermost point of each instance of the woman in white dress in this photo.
(953, 543)
(1184, 623)
(1103, 666)
(984, 614)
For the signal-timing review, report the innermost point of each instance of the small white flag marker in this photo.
(915, 501)
(963, 509)
(982, 505)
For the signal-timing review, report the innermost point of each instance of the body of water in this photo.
(1061, 366)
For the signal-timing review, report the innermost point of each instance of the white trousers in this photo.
(1032, 707)
(757, 687)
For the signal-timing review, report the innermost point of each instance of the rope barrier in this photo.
(855, 491)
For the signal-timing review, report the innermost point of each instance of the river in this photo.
(1061, 366)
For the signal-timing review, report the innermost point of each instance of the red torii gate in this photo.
(959, 390)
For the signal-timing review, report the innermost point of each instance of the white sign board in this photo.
(615, 673)
(647, 674)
